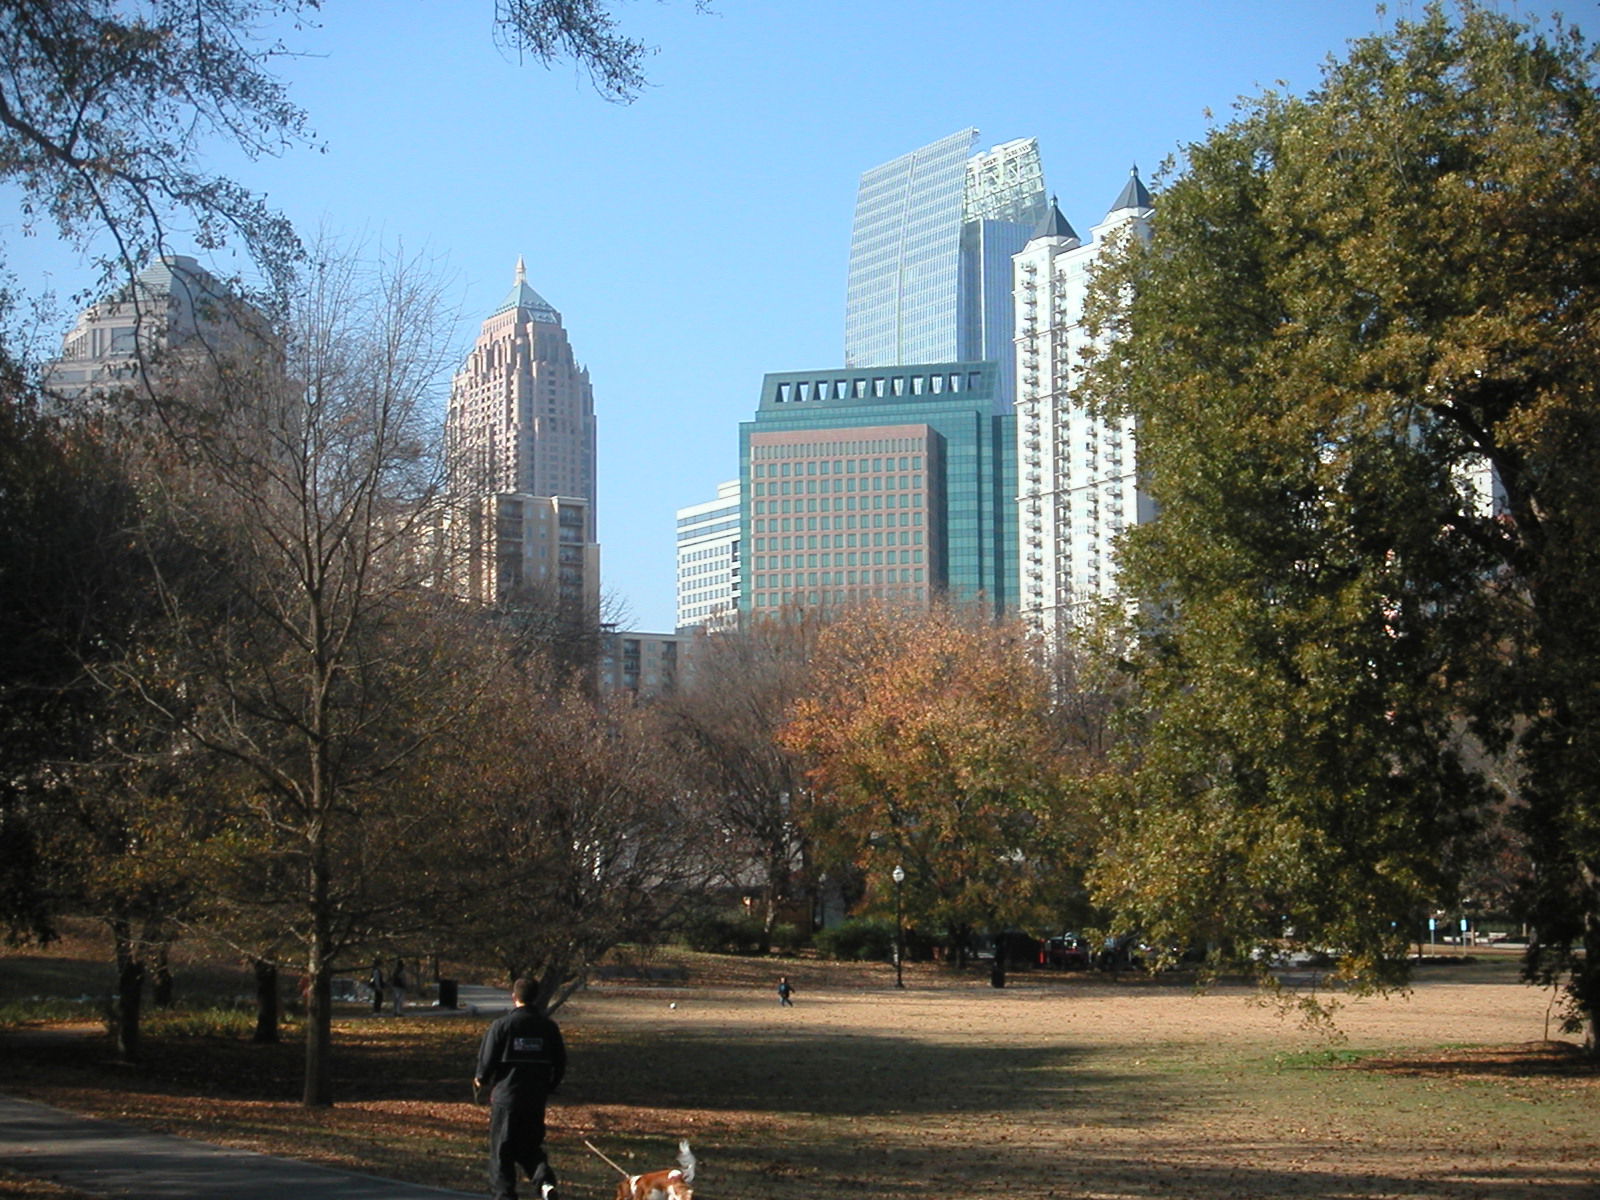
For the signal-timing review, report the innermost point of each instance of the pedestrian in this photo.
(375, 982)
(784, 992)
(398, 983)
(522, 1060)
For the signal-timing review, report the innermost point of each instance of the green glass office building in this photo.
(886, 483)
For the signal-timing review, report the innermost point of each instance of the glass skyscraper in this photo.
(930, 255)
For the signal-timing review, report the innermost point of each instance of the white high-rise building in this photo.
(1077, 476)
(708, 559)
(174, 317)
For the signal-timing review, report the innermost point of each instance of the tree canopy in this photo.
(1361, 349)
(932, 745)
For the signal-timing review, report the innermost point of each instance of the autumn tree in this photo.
(930, 745)
(726, 717)
(1361, 351)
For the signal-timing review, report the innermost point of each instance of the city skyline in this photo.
(698, 239)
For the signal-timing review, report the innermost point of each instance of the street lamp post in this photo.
(899, 877)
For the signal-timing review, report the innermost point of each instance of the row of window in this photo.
(840, 504)
(766, 584)
(875, 520)
(842, 558)
(878, 387)
(839, 483)
(832, 450)
(905, 537)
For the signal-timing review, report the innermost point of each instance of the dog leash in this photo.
(604, 1159)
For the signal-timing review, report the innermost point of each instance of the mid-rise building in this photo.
(930, 255)
(645, 665)
(1078, 482)
(521, 415)
(893, 484)
(508, 547)
(708, 559)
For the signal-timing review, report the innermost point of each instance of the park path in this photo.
(108, 1158)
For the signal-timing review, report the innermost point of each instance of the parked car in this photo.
(1068, 951)
(1122, 952)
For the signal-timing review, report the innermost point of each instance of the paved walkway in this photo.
(108, 1158)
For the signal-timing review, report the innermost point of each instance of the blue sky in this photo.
(697, 238)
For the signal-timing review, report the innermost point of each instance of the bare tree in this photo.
(726, 720)
(577, 831)
(300, 646)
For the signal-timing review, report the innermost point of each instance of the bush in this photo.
(725, 933)
(787, 938)
(30, 1010)
(859, 940)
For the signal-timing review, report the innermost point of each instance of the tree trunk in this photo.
(267, 1007)
(319, 1005)
(1586, 985)
(130, 994)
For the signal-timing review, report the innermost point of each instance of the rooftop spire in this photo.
(1054, 224)
(522, 296)
(1133, 194)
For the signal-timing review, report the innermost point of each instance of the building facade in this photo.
(708, 559)
(929, 278)
(521, 416)
(520, 464)
(174, 316)
(511, 547)
(645, 665)
(1078, 483)
(894, 484)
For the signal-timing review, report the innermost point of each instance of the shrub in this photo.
(29, 1010)
(221, 1022)
(724, 933)
(858, 939)
(787, 937)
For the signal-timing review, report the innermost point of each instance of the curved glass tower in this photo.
(930, 254)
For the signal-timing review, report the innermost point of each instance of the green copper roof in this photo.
(523, 296)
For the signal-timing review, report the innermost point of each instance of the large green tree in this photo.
(1362, 351)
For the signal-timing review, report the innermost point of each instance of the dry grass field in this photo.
(1056, 1086)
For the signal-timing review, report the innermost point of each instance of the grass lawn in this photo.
(1065, 1086)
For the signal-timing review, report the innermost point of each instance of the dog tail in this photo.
(686, 1160)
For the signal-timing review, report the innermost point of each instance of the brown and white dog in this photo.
(671, 1184)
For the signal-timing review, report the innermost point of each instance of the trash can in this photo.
(447, 993)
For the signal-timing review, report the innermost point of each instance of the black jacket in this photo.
(522, 1057)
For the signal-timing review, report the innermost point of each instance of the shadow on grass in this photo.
(807, 1112)
(829, 1075)
(1233, 1172)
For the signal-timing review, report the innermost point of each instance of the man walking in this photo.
(522, 1059)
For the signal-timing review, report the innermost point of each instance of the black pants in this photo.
(516, 1138)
